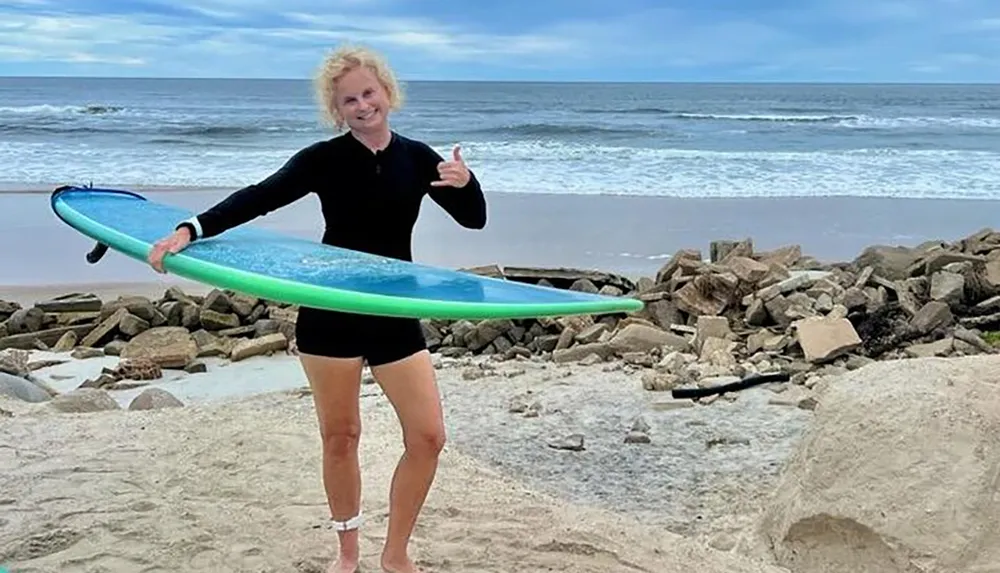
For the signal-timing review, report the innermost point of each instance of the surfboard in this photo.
(283, 268)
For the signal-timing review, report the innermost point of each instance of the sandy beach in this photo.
(156, 491)
(227, 482)
(163, 426)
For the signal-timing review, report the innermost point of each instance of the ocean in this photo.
(608, 176)
(676, 140)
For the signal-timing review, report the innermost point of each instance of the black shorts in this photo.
(377, 339)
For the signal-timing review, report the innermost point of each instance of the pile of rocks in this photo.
(736, 313)
(148, 335)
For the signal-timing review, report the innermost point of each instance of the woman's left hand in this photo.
(453, 173)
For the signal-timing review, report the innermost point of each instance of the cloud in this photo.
(894, 40)
(440, 40)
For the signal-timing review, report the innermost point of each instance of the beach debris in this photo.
(639, 432)
(572, 442)
(127, 374)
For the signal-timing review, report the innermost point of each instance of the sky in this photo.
(562, 40)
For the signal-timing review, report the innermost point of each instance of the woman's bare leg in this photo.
(336, 385)
(411, 386)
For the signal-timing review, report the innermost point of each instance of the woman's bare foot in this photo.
(349, 553)
(398, 565)
(342, 565)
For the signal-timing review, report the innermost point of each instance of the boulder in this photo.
(897, 473)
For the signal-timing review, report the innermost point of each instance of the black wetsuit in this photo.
(370, 202)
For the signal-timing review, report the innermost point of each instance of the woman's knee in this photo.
(425, 441)
(341, 437)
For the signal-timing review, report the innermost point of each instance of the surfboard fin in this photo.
(97, 253)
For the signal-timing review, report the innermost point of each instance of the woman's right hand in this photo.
(172, 243)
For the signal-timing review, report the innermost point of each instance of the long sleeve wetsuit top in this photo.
(370, 200)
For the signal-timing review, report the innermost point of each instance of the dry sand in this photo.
(230, 483)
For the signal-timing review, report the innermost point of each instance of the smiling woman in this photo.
(340, 63)
(370, 182)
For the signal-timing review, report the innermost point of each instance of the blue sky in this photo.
(658, 40)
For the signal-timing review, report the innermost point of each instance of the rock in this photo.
(71, 302)
(15, 362)
(747, 270)
(85, 352)
(105, 329)
(942, 347)
(485, 333)
(718, 352)
(22, 389)
(947, 287)
(154, 399)
(196, 367)
(643, 338)
(84, 400)
(8, 308)
(846, 503)
(824, 339)
(579, 352)
(556, 277)
(211, 319)
(66, 342)
(937, 259)
(138, 306)
(891, 262)
(711, 327)
(25, 320)
(707, 294)
(572, 442)
(662, 313)
(168, 346)
(46, 337)
(655, 381)
(267, 344)
(131, 325)
(637, 437)
(931, 316)
(592, 333)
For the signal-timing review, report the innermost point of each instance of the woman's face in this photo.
(362, 101)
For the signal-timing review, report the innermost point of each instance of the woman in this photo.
(370, 182)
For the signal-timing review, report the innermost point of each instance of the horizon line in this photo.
(523, 81)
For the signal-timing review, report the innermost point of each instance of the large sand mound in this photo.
(899, 472)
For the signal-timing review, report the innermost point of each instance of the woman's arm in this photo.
(466, 205)
(286, 185)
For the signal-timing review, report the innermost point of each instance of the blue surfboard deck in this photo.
(292, 270)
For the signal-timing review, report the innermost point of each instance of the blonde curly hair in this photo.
(343, 60)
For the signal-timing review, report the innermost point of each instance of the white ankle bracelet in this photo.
(352, 523)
